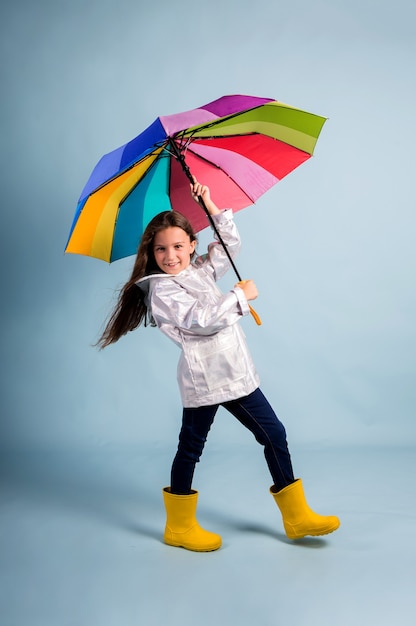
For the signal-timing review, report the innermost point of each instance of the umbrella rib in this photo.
(129, 167)
(192, 139)
(220, 120)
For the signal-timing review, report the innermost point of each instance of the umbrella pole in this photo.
(178, 154)
(220, 239)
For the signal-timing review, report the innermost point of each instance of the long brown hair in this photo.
(131, 310)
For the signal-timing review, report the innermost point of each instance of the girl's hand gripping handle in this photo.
(251, 293)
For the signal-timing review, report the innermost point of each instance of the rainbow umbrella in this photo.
(239, 146)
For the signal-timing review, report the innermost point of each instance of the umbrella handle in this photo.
(255, 315)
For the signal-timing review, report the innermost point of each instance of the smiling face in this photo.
(173, 249)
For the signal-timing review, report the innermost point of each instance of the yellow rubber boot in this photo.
(298, 519)
(182, 528)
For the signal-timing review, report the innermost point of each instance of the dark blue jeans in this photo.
(256, 414)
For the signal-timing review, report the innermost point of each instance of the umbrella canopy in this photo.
(240, 146)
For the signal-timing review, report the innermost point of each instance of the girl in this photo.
(180, 297)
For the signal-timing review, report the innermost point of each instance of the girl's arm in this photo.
(231, 238)
(172, 304)
(217, 260)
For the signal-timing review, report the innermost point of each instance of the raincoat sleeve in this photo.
(217, 260)
(174, 305)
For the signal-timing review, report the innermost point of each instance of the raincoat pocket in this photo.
(218, 361)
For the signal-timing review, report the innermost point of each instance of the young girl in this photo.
(180, 297)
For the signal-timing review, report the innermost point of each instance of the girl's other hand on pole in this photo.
(199, 191)
(249, 288)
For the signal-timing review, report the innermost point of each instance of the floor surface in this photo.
(81, 541)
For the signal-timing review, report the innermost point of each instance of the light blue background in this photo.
(331, 248)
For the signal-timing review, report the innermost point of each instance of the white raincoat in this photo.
(215, 364)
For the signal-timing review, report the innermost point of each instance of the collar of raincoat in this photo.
(144, 282)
